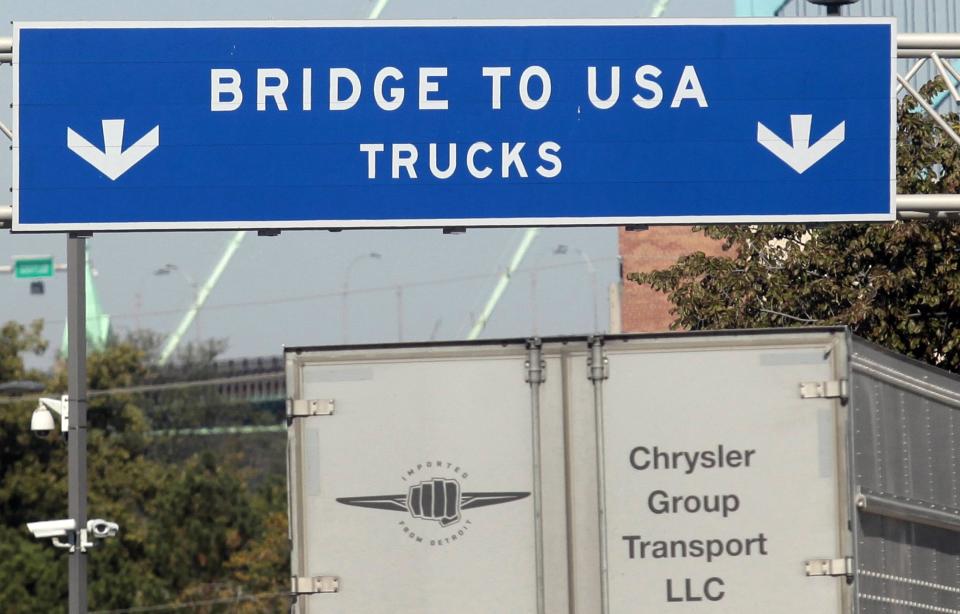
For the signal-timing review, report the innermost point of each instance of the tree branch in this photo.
(788, 316)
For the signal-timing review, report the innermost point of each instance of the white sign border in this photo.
(18, 227)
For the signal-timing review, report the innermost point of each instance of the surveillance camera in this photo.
(42, 422)
(52, 528)
(101, 528)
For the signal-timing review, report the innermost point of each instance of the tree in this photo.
(185, 525)
(896, 284)
(32, 572)
(15, 339)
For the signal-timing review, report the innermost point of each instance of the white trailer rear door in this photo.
(720, 480)
(415, 494)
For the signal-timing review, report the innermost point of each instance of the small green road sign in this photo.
(32, 267)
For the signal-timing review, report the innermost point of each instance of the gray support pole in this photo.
(593, 289)
(77, 399)
(536, 376)
(597, 372)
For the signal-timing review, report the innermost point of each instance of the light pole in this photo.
(169, 268)
(534, 288)
(344, 315)
(563, 249)
(399, 293)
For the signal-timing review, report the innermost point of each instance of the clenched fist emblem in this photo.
(437, 499)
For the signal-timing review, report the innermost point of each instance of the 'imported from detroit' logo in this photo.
(438, 500)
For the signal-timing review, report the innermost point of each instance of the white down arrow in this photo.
(801, 155)
(113, 161)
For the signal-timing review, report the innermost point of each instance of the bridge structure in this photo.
(259, 379)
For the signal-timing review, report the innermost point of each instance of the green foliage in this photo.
(203, 517)
(32, 574)
(896, 284)
(186, 526)
(16, 339)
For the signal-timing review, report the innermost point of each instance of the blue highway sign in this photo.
(273, 125)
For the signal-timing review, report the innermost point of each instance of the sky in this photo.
(287, 290)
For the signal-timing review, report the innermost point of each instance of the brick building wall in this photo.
(641, 308)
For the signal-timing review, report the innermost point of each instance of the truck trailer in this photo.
(781, 471)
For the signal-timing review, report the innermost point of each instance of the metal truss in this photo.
(935, 49)
(923, 48)
(6, 57)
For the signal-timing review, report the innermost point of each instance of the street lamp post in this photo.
(344, 314)
(399, 293)
(172, 268)
(592, 270)
(534, 291)
(561, 250)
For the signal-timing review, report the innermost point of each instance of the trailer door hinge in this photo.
(831, 567)
(598, 367)
(302, 408)
(318, 584)
(834, 389)
(535, 365)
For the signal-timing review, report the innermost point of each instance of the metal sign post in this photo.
(77, 432)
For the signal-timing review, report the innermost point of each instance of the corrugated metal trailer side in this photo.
(906, 459)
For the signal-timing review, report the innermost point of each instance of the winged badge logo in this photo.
(437, 499)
